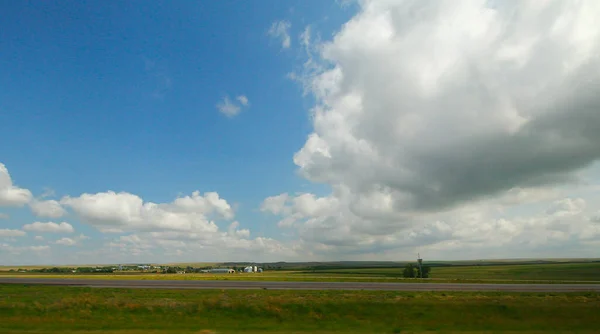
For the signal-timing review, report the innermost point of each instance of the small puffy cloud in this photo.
(228, 108)
(4, 216)
(280, 30)
(66, 242)
(39, 238)
(11, 233)
(49, 227)
(48, 209)
(231, 108)
(243, 100)
(11, 195)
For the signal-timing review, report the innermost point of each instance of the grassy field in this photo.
(566, 271)
(528, 272)
(37, 309)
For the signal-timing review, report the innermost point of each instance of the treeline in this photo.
(188, 269)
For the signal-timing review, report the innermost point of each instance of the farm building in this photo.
(252, 269)
(222, 271)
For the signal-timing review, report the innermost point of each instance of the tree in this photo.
(413, 271)
(425, 273)
(409, 271)
(170, 270)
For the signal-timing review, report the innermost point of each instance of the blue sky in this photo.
(123, 96)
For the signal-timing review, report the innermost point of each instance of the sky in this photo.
(135, 131)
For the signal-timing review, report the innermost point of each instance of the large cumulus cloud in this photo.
(424, 107)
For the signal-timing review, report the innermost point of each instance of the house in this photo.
(222, 271)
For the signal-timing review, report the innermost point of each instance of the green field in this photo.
(527, 272)
(566, 271)
(43, 309)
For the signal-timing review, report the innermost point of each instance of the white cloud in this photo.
(228, 108)
(128, 212)
(175, 231)
(184, 226)
(393, 114)
(280, 30)
(49, 227)
(66, 242)
(234, 231)
(231, 108)
(274, 204)
(452, 112)
(48, 209)
(4, 216)
(11, 195)
(11, 233)
(311, 68)
(243, 100)
(71, 241)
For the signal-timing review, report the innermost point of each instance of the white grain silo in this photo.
(254, 269)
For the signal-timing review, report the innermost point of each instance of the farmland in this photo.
(24, 309)
(519, 272)
(491, 273)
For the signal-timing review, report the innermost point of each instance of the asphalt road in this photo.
(181, 284)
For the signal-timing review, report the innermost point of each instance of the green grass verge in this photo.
(44, 309)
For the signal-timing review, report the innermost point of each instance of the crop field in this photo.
(44, 309)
